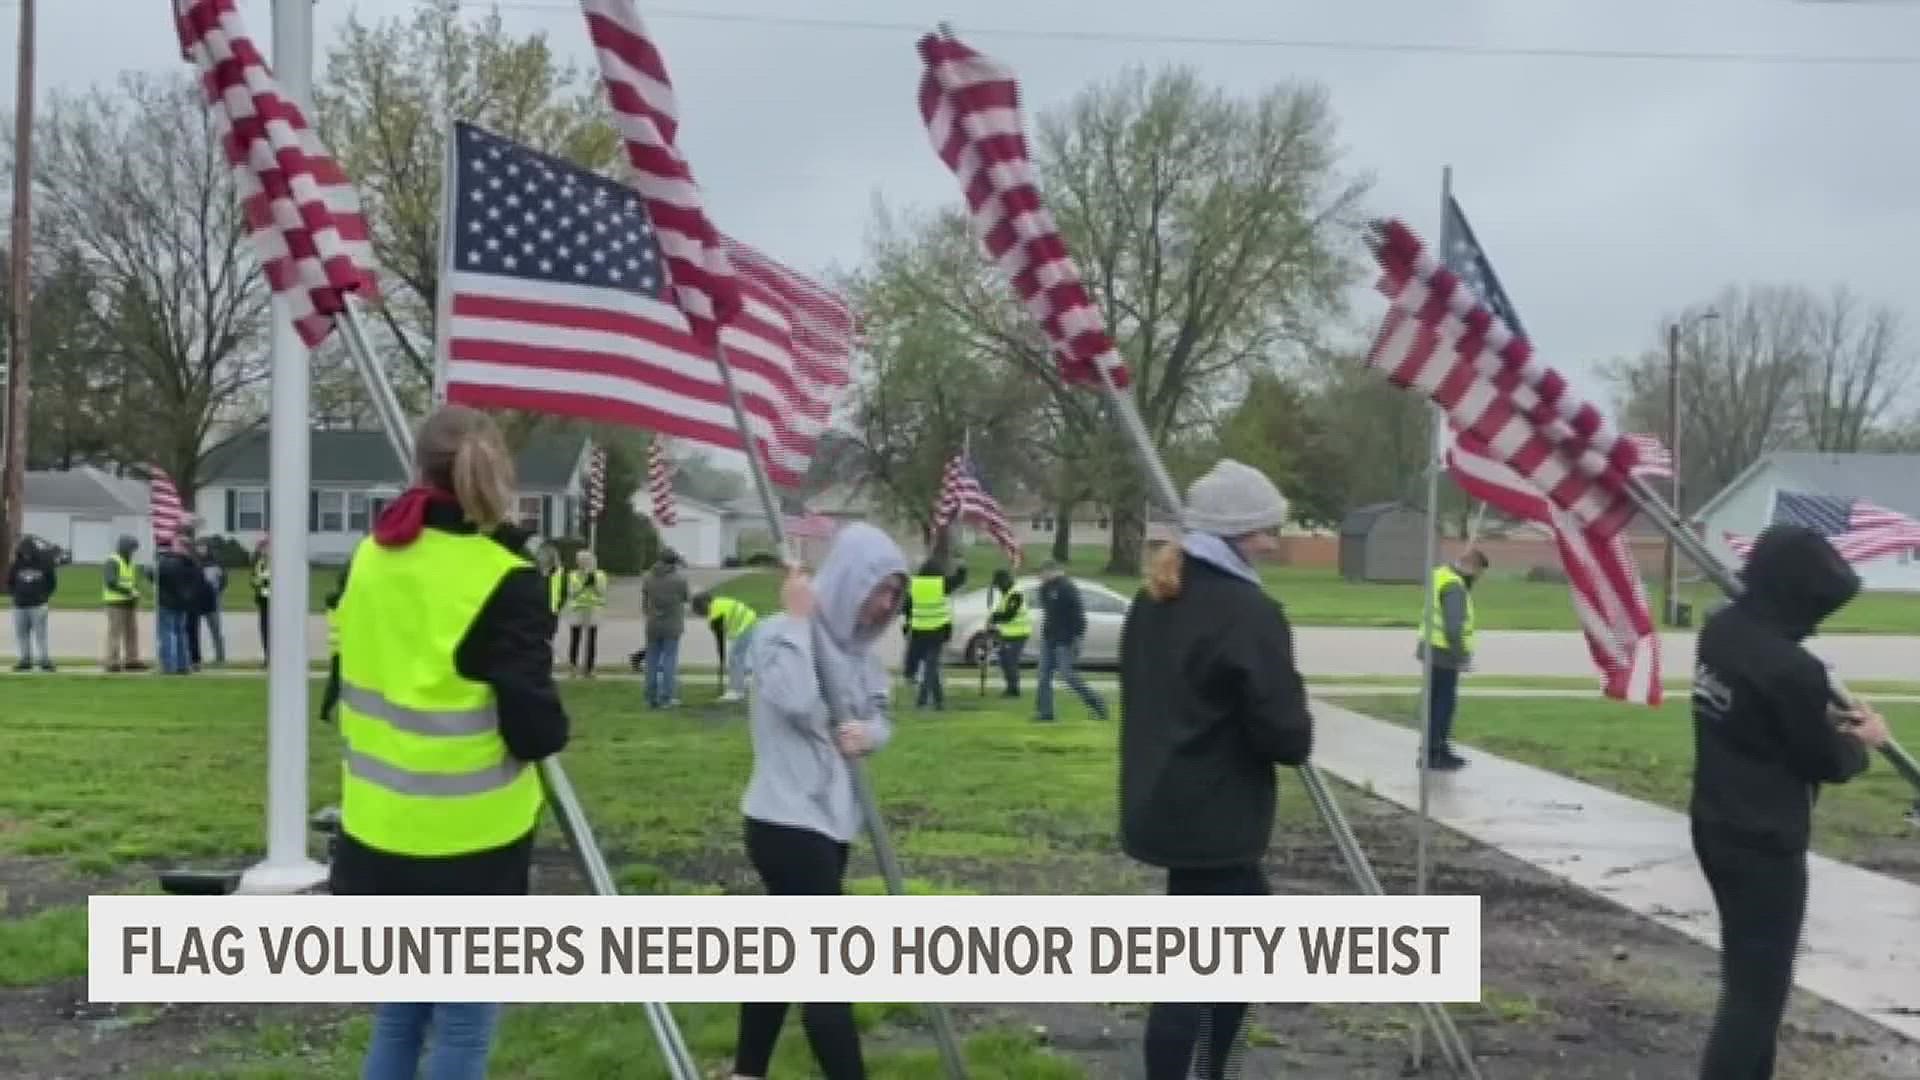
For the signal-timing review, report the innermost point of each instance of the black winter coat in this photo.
(1210, 703)
(1763, 742)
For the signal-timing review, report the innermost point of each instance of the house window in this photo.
(358, 511)
(332, 517)
(250, 510)
(529, 506)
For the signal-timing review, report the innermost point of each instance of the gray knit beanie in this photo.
(1233, 500)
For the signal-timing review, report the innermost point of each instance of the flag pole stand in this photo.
(1446, 1034)
(883, 853)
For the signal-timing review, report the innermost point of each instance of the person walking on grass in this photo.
(586, 595)
(1451, 643)
(445, 696)
(1011, 625)
(1767, 736)
(663, 600)
(821, 699)
(31, 580)
(1063, 622)
(1210, 702)
(120, 598)
(734, 625)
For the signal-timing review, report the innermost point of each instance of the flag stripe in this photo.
(596, 482)
(163, 506)
(660, 486)
(962, 498)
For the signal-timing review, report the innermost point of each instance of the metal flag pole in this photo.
(1358, 867)
(883, 853)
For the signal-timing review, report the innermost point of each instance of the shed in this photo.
(85, 512)
(1384, 542)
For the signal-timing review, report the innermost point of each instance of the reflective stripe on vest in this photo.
(734, 616)
(931, 611)
(123, 572)
(425, 771)
(1443, 577)
(587, 590)
(1021, 625)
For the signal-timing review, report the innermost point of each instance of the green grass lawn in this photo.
(79, 589)
(1648, 754)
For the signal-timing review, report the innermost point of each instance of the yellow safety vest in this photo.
(931, 611)
(1443, 577)
(127, 581)
(426, 772)
(556, 589)
(263, 579)
(587, 590)
(1020, 626)
(734, 616)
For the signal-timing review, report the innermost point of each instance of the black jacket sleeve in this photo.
(510, 648)
(1820, 752)
(1258, 657)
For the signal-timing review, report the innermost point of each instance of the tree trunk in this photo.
(1063, 533)
(1129, 538)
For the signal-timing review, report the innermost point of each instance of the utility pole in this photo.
(1670, 568)
(20, 285)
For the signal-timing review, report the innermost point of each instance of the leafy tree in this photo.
(624, 542)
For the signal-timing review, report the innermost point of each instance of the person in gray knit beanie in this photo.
(1234, 500)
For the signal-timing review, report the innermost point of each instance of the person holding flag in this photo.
(734, 625)
(586, 595)
(928, 618)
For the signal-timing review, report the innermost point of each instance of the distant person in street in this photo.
(586, 595)
(31, 579)
(211, 597)
(1063, 623)
(120, 598)
(1211, 701)
(734, 625)
(663, 600)
(821, 702)
(1012, 625)
(929, 621)
(1451, 643)
(1767, 735)
(446, 699)
(262, 580)
(176, 593)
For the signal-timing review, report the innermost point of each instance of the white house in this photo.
(85, 512)
(703, 534)
(355, 475)
(1750, 503)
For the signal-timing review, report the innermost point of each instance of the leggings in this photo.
(798, 862)
(1176, 1032)
(573, 646)
(1762, 897)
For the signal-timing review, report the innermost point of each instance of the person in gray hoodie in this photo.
(820, 698)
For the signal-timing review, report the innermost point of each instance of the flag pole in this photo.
(443, 284)
(883, 852)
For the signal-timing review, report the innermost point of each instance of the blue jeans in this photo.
(738, 662)
(1057, 657)
(170, 626)
(29, 626)
(1011, 650)
(462, 1038)
(663, 670)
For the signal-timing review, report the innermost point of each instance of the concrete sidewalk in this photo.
(1862, 946)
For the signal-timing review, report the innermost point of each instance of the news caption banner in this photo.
(981, 949)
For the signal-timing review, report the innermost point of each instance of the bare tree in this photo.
(1856, 369)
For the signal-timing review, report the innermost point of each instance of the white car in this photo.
(1106, 612)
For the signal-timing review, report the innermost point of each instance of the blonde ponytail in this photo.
(462, 451)
(1164, 572)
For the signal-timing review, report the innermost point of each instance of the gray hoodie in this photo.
(799, 777)
(663, 600)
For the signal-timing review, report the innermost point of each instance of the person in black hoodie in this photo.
(177, 585)
(1210, 703)
(1767, 734)
(445, 630)
(31, 580)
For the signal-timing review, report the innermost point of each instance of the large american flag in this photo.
(302, 212)
(971, 106)
(964, 498)
(559, 303)
(163, 506)
(1440, 339)
(596, 482)
(1859, 530)
(649, 120)
(660, 486)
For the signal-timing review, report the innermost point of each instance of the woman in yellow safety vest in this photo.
(445, 684)
(1012, 623)
(586, 595)
(734, 624)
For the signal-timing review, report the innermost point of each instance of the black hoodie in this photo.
(1763, 742)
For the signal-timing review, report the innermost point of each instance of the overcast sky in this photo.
(1608, 190)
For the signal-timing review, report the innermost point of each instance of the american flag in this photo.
(302, 211)
(163, 506)
(964, 498)
(560, 304)
(1859, 530)
(1609, 598)
(596, 482)
(649, 121)
(1655, 458)
(971, 105)
(660, 486)
(1440, 339)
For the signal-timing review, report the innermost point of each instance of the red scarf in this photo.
(403, 519)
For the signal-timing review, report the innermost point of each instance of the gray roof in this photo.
(81, 491)
(1360, 520)
(363, 459)
(1891, 480)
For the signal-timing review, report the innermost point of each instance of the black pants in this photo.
(1446, 699)
(573, 646)
(923, 659)
(1010, 652)
(1176, 1032)
(1762, 898)
(265, 647)
(193, 638)
(798, 862)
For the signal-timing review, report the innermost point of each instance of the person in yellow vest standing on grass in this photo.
(1012, 625)
(733, 624)
(1450, 639)
(446, 692)
(586, 595)
(120, 596)
(929, 618)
